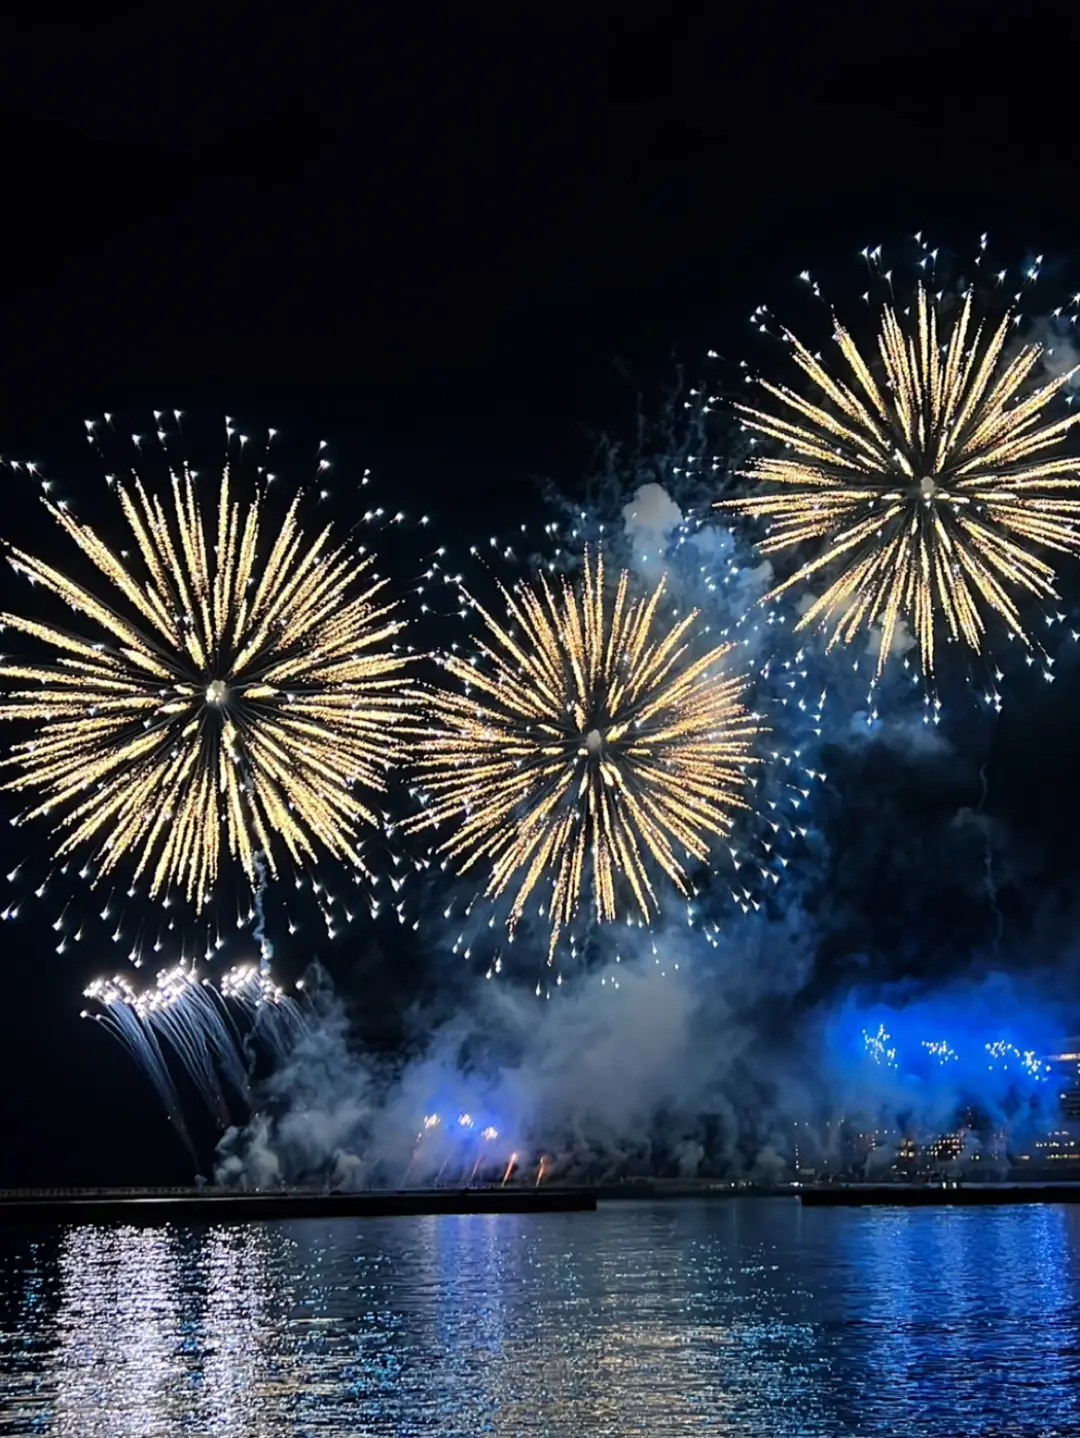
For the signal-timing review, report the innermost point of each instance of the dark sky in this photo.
(433, 240)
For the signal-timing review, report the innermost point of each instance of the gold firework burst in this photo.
(587, 742)
(227, 702)
(930, 482)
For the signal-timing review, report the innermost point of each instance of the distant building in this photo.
(1056, 1152)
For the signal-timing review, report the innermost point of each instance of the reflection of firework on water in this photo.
(588, 742)
(232, 696)
(199, 1030)
(927, 477)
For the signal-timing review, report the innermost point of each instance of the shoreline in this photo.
(149, 1208)
(937, 1195)
(154, 1206)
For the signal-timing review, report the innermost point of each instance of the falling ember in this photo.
(590, 743)
(240, 702)
(927, 484)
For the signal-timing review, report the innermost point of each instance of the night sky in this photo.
(460, 252)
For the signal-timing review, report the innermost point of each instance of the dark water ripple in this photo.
(745, 1317)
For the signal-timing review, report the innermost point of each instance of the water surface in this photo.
(739, 1317)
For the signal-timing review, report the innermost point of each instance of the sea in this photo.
(742, 1316)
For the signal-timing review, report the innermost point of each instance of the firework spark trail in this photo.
(431, 1122)
(927, 484)
(181, 1009)
(239, 701)
(587, 742)
(123, 1017)
(276, 1020)
(193, 1018)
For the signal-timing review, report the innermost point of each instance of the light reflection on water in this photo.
(742, 1317)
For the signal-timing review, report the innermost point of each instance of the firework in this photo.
(586, 743)
(275, 1019)
(125, 1014)
(927, 480)
(996, 1055)
(188, 1018)
(224, 698)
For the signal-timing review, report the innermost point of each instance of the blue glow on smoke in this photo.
(975, 1045)
(996, 1055)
